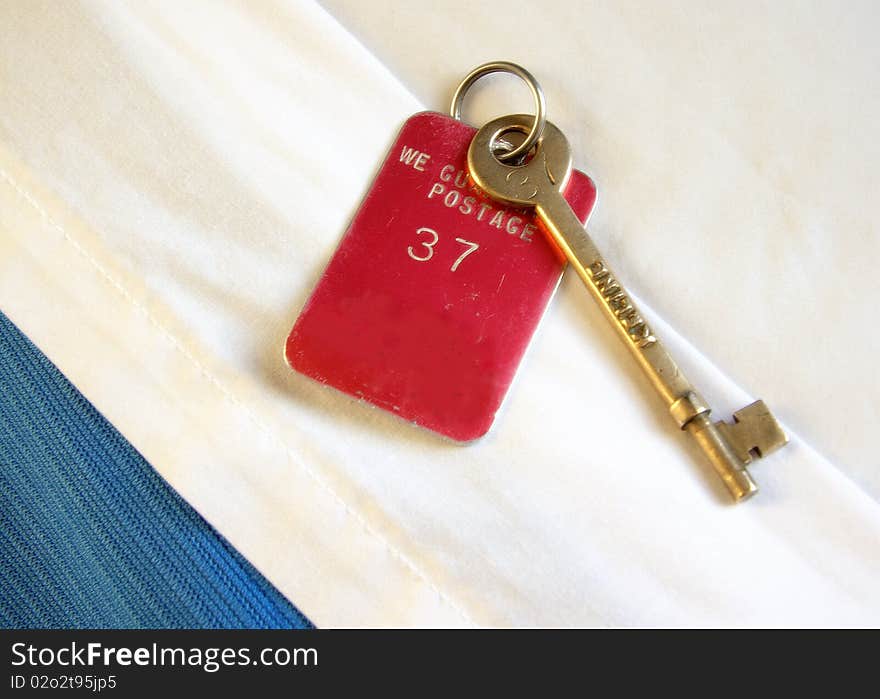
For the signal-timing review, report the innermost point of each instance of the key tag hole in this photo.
(509, 139)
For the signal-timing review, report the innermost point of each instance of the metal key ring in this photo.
(537, 130)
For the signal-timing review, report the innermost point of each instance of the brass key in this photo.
(539, 183)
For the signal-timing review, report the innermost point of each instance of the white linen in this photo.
(174, 176)
(735, 147)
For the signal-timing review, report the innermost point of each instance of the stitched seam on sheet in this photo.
(231, 398)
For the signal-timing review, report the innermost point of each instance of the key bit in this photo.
(539, 182)
(754, 433)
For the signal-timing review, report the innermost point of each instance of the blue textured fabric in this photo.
(90, 535)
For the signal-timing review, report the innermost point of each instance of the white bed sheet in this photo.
(174, 176)
(735, 146)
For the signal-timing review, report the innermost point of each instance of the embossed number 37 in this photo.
(428, 246)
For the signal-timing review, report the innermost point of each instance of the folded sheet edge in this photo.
(125, 352)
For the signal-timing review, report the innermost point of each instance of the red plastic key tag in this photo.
(431, 298)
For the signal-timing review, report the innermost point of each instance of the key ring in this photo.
(537, 130)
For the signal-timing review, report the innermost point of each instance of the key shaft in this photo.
(539, 183)
(685, 404)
